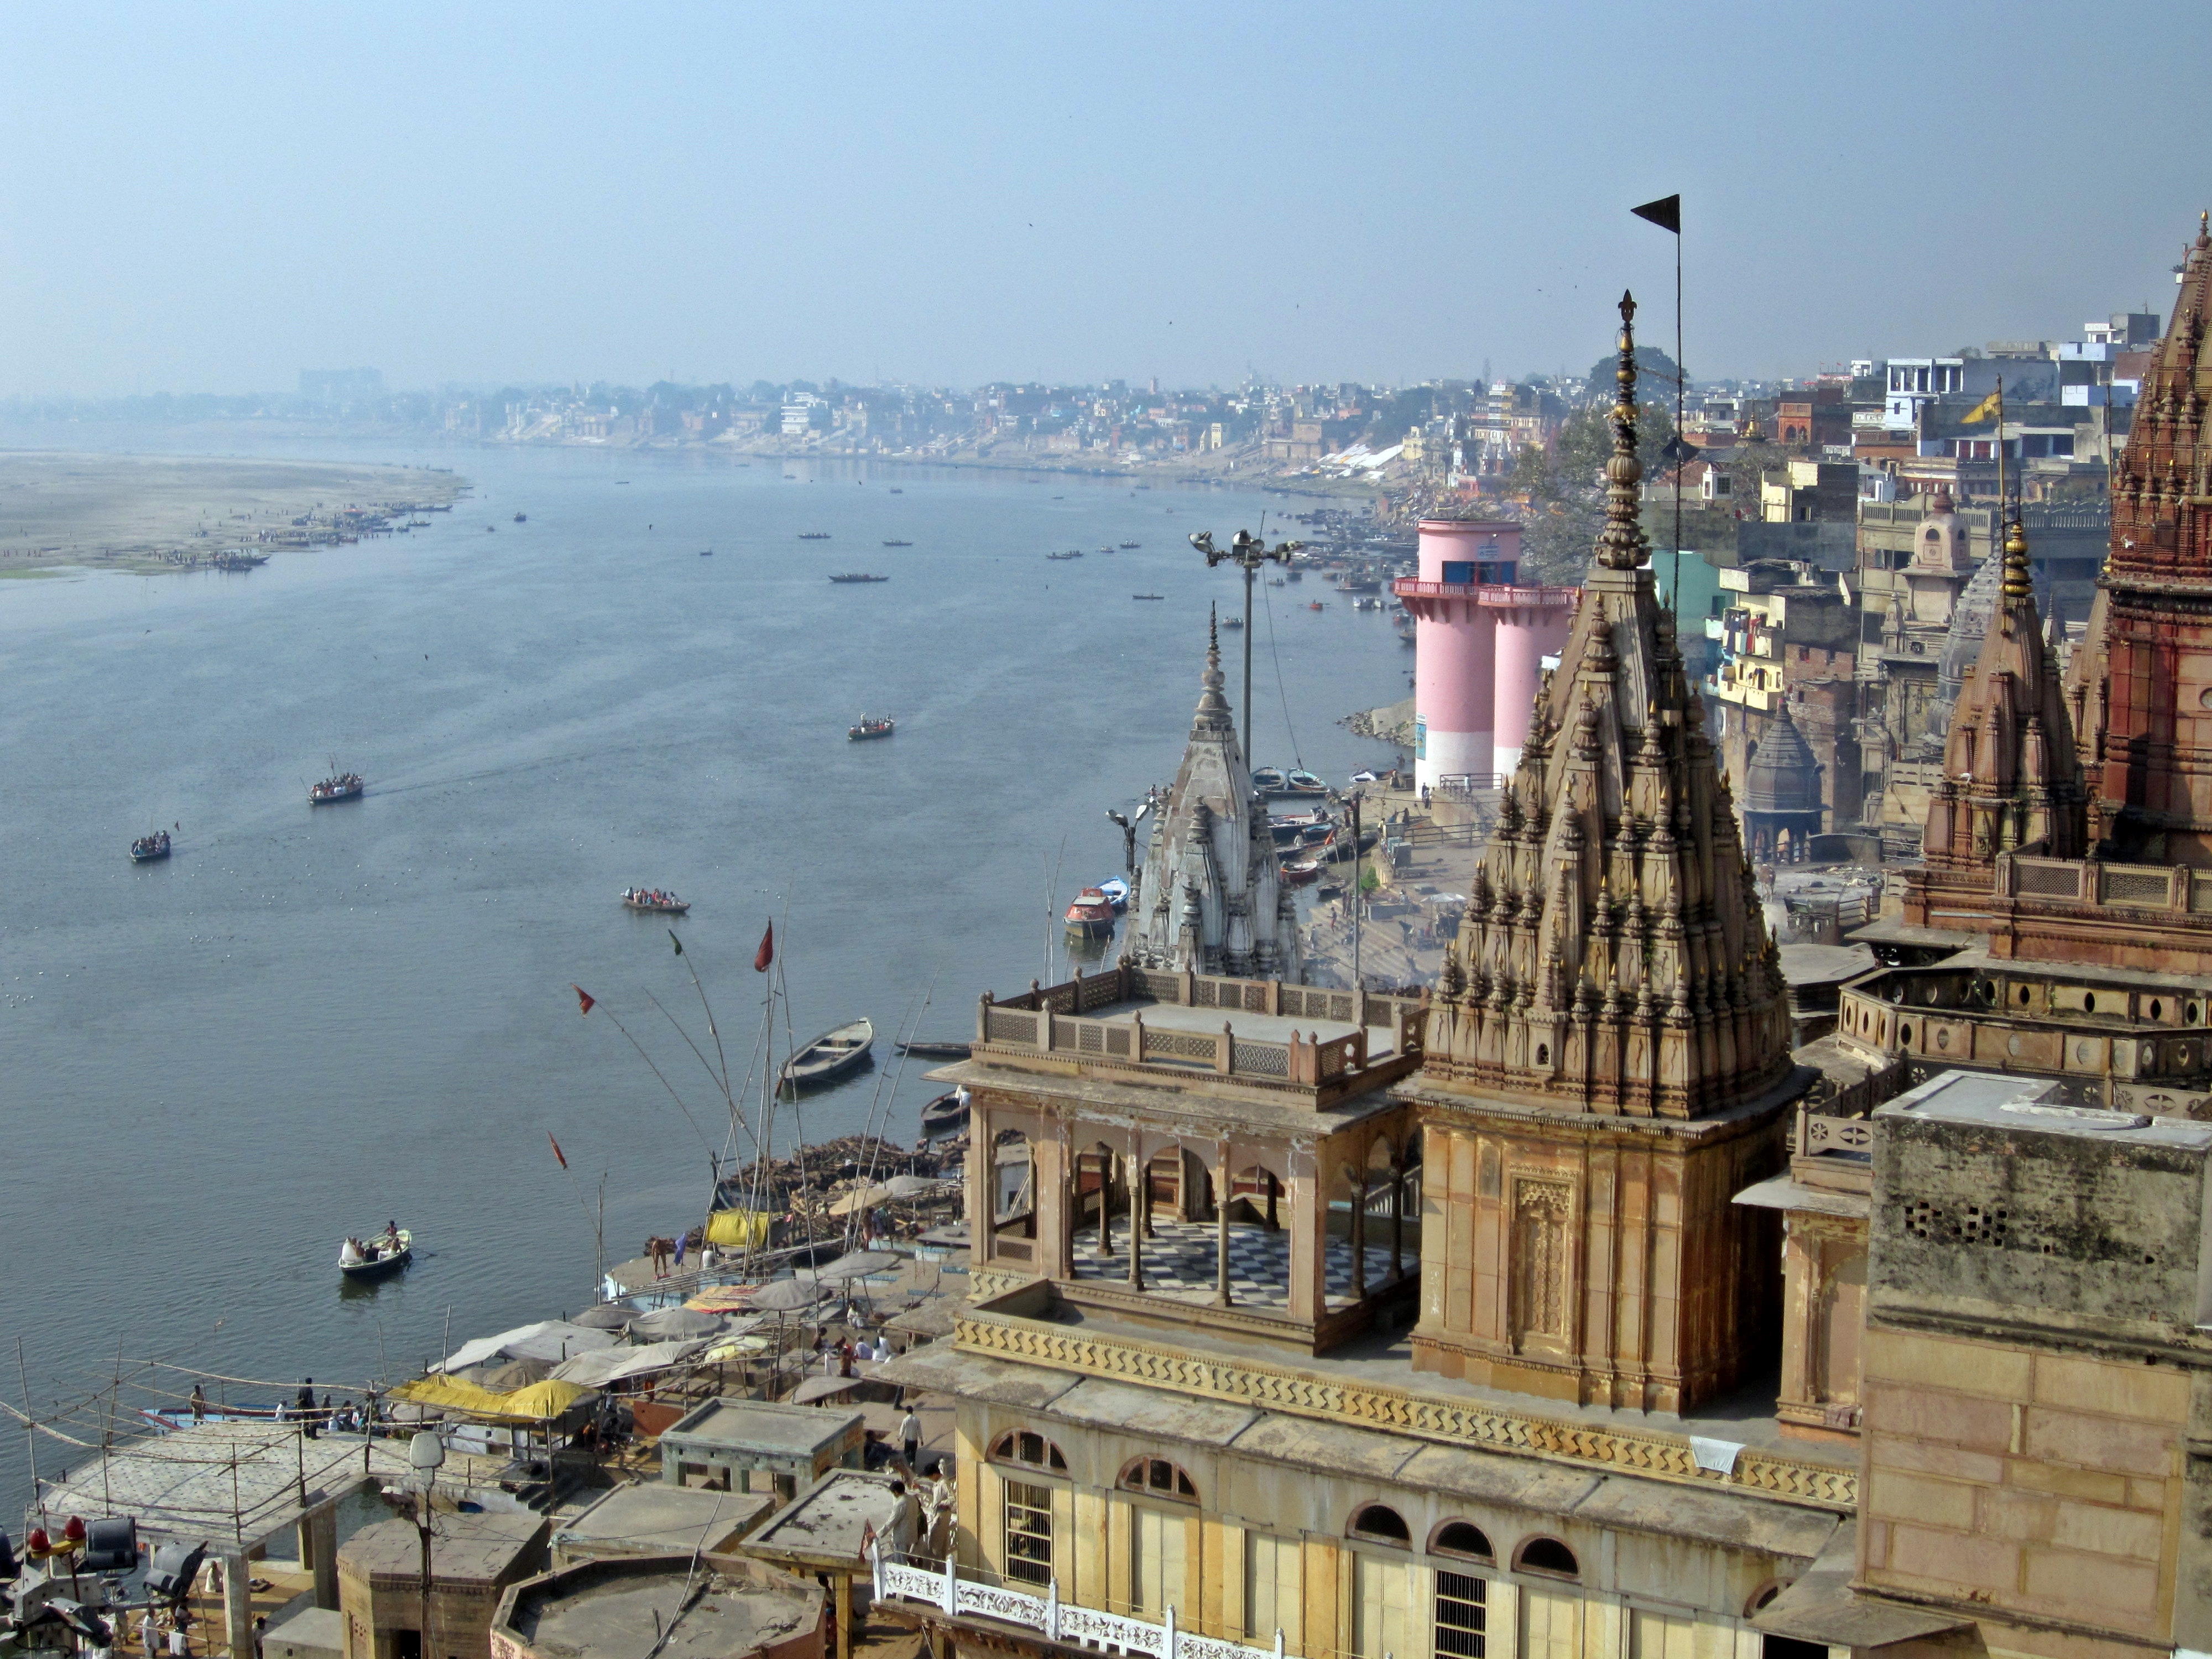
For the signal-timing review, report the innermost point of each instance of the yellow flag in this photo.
(1984, 410)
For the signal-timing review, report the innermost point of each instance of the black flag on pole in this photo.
(1666, 213)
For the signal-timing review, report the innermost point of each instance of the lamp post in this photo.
(1247, 553)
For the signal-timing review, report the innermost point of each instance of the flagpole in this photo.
(1681, 387)
(1996, 542)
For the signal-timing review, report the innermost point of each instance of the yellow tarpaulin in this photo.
(739, 1229)
(539, 1403)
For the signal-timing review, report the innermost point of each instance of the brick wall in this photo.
(2038, 1483)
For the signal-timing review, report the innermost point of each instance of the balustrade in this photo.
(943, 1588)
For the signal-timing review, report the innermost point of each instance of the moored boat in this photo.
(1289, 827)
(1300, 782)
(1092, 915)
(1299, 872)
(1268, 780)
(657, 900)
(947, 1115)
(1117, 894)
(869, 727)
(830, 1055)
(344, 786)
(935, 1050)
(372, 1258)
(146, 848)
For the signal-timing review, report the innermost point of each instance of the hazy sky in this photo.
(210, 198)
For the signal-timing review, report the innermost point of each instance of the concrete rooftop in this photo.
(761, 1426)
(831, 1519)
(464, 1548)
(654, 1518)
(608, 1614)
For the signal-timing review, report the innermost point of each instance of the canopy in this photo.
(615, 1365)
(724, 1298)
(822, 1387)
(539, 1403)
(789, 1295)
(860, 1198)
(549, 1338)
(738, 1347)
(914, 1186)
(858, 1264)
(664, 1322)
(607, 1316)
(501, 1375)
(738, 1230)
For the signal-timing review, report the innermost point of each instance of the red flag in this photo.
(557, 1149)
(766, 954)
(585, 1000)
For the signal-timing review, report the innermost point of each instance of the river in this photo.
(311, 1019)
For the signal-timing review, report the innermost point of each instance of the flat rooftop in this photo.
(1988, 1101)
(832, 1519)
(464, 1548)
(654, 1518)
(628, 1610)
(764, 1427)
(193, 1481)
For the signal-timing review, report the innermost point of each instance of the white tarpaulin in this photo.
(596, 1371)
(550, 1340)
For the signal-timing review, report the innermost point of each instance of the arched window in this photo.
(1028, 1449)
(1462, 1538)
(1378, 1523)
(1549, 1557)
(1158, 1477)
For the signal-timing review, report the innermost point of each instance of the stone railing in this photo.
(943, 1588)
(1459, 1422)
(1303, 1059)
(1503, 594)
(1125, 983)
(2086, 881)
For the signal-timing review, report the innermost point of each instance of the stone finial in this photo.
(1621, 544)
(2017, 582)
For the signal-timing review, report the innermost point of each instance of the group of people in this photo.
(840, 1357)
(156, 842)
(339, 1415)
(374, 1249)
(649, 895)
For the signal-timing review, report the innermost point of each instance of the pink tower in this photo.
(1479, 644)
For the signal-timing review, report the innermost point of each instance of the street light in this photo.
(1248, 552)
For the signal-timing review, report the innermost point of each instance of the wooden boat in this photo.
(1148, 596)
(1125, 546)
(898, 543)
(346, 786)
(1070, 554)
(1303, 783)
(1299, 872)
(1317, 605)
(869, 727)
(1268, 780)
(1231, 624)
(830, 1055)
(947, 1115)
(1117, 894)
(936, 1050)
(377, 1256)
(146, 848)
(1289, 827)
(522, 518)
(655, 900)
(813, 535)
(859, 576)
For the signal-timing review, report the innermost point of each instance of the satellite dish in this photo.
(425, 1451)
(174, 1567)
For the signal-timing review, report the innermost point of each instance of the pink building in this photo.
(1479, 640)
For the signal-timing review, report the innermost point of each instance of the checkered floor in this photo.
(1179, 1262)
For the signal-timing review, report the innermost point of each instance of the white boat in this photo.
(374, 1257)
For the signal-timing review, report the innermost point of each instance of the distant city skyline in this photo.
(210, 202)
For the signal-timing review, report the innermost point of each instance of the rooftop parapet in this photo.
(1296, 1040)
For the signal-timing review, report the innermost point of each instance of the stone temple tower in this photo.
(1211, 898)
(1609, 1055)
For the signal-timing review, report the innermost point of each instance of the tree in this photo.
(1655, 374)
(1566, 487)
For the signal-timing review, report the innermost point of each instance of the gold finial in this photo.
(1621, 544)
(2017, 582)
